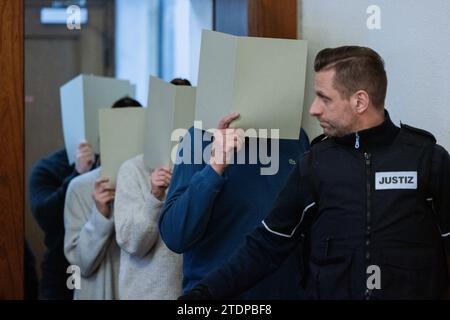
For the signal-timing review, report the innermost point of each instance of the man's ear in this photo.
(360, 101)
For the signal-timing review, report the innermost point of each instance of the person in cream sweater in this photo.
(148, 269)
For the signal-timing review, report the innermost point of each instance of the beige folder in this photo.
(170, 108)
(263, 79)
(121, 138)
(81, 98)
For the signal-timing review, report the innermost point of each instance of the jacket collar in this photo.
(381, 135)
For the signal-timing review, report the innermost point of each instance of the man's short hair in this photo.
(180, 82)
(357, 68)
(126, 102)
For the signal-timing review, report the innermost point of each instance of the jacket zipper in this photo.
(356, 140)
(367, 157)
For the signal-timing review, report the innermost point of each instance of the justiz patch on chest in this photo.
(396, 180)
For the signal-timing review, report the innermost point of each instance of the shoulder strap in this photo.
(417, 132)
(428, 141)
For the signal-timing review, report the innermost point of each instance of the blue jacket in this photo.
(206, 216)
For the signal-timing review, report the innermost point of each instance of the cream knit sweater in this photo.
(148, 269)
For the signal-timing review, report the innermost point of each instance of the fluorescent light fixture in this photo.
(60, 15)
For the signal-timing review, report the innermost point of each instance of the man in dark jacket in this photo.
(48, 185)
(370, 202)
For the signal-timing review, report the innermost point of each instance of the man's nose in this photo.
(315, 110)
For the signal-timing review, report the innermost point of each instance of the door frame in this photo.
(12, 193)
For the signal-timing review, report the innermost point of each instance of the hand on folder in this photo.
(226, 143)
(160, 180)
(85, 158)
(103, 196)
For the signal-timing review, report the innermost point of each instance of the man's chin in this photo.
(327, 132)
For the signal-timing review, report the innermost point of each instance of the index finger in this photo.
(83, 143)
(101, 180)
(166, 169)
(225, 121)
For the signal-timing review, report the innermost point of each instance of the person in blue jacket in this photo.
(212, 205)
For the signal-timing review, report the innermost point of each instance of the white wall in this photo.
(414, 41)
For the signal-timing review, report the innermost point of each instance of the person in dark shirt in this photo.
(369, 201)
(48, 184)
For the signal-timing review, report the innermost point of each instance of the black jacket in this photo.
(379, 197)
(48, 185)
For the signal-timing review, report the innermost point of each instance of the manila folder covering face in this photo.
(170, 108)
(121, 138)
(81, 98)
(262, 79)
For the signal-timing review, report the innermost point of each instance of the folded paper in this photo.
(262, 79)
(121, 138)
(170, 114)
(81, 98)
